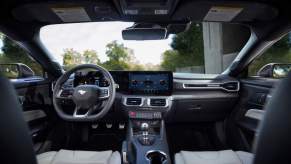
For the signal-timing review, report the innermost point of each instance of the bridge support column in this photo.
(222, 42)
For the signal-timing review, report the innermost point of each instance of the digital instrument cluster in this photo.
(90, 78)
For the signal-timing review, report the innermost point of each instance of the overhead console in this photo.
(147, 7)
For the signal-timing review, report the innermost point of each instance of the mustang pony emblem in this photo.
(82, 92)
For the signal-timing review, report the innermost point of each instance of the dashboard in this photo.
(184, 97)
(130, 82)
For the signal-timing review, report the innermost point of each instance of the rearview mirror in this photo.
(16, 71)
(274, 70)
(144, 34)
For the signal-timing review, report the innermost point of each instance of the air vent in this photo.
(158, 102)
(227, 86)
(133, 101)
(231, 86)
(194, 85)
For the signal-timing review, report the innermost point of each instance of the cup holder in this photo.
(156, 157)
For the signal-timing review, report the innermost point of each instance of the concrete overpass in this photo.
(222, 42)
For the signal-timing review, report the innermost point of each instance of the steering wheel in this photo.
(91, 101)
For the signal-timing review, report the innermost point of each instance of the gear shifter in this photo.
(145, 132)
(145, 139)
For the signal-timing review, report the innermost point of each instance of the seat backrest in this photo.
(273, 144)
(15, 142)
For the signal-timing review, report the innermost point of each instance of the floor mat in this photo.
(198, 137)
(103, 138)
(84, 137)
(101, 142)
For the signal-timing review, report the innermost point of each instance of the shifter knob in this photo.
(144, 126)
(145, 138)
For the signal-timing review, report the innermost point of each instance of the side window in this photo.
(275, 62)
(15, 62)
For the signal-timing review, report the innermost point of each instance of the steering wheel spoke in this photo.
(82, 113)
(66, 94)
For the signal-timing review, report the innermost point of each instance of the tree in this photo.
(118, 56)
(190, 44)
(282, 45)
(171, 60)
(151, 67)
(72, 58)
(187, 50)
(117, 52)
(90, 56)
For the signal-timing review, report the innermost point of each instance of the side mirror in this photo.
(274, 70)
(16, 71)
(281, 70)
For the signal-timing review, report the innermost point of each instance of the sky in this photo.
(95, 36)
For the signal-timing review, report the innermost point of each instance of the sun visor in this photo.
(61, 12)
(208, 11)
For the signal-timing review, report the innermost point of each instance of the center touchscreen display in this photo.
(150, 82)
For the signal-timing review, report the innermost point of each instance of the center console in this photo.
(146, 143)
(146, 102)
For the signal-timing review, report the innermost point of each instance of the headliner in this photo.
(26, 17)
(22, 19)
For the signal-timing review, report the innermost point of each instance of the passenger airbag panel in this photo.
(200, 110)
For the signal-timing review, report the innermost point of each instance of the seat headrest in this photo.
(15, 142)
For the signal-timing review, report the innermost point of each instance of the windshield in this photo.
(101, 43)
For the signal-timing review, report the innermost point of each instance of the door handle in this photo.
(21, 99)
(256, 114)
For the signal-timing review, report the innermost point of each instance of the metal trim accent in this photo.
(158, 151)
(61, 97)
(80, 115)
(106, 96)
(215, 86)
(256, 114)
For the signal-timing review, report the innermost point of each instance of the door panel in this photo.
(35, 97)
(242, 126)
(255, 114)
(252, 109)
